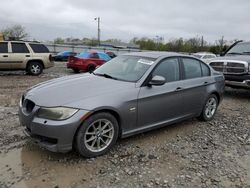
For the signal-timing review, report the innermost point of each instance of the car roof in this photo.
(22, 41)
(155, 55)
(204, 53)
(244, 42)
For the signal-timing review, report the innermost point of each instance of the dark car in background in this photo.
(111, 54)
(130, 94)
(64, 56)
(87, 61)
(235, 65)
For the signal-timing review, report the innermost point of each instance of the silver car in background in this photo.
(130, 94)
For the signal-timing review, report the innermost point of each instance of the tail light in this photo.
(71, 59)
(50, 57)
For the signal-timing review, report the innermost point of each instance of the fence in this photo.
(55, 48)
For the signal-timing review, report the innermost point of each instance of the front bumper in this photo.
(56, 136)
(243, 84)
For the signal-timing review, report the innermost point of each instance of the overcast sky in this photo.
(125, 19)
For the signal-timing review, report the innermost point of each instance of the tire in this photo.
(76, 70)
(91, 134)
(209, 109)
(91, 68)
(35, 68)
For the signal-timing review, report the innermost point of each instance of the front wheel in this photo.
(97, 135)
(210, 108)
(76, 70)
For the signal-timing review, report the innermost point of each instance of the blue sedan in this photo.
(63, 56)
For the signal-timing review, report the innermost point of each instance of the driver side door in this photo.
(158, 105)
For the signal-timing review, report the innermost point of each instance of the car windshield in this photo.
(240, 48)
(60, 53)
(126, 68)
(197, 55)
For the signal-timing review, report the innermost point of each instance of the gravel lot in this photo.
(188, 154)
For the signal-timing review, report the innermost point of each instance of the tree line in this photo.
(191, 45)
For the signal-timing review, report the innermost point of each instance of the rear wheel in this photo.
(210, 108)
(97, 135)
(35, 68)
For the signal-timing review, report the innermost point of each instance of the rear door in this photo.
(4, 56)
(193, 86)
(19, 52)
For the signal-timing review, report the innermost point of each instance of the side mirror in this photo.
(222, 54)
(157, 81)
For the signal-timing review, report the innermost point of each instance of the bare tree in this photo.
(15, 32)
(221, 42)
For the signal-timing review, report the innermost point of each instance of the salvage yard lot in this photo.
(188, 154)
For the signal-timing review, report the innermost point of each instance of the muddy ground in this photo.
(188, 154)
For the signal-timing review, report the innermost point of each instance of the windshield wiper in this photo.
(246, 52)
(105, 75)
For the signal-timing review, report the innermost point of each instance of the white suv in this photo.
(32, 57)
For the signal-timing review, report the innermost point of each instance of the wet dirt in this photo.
(187, 154)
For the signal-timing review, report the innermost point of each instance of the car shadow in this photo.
(237, 93)
(13, 73)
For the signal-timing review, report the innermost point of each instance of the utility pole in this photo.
(98, 31)
(202, 42)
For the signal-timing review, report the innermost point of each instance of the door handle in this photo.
(5, 56)
(205, 83)
(27, 55)
(178, 89)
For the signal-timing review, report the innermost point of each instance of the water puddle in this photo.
(31, 166)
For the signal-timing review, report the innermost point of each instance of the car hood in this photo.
(70, 89)
(245, 58)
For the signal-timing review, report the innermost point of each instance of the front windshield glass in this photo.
(197, 55)
(127, 68)
(240, 48)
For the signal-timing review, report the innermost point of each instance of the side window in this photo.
(94, 55)
(192, 68)
(39, 48)
(205, 70)
(3, 47)
(169, 69)
(19, 48)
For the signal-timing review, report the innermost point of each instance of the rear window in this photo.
(104, 56)
(39, 48)
(19, 48)
(3, 47)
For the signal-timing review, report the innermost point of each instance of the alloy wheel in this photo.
(211, 106)
(35, 69)
(99, 135)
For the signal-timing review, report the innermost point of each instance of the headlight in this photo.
(57, 113)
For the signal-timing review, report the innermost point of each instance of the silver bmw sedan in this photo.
(130, 94)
